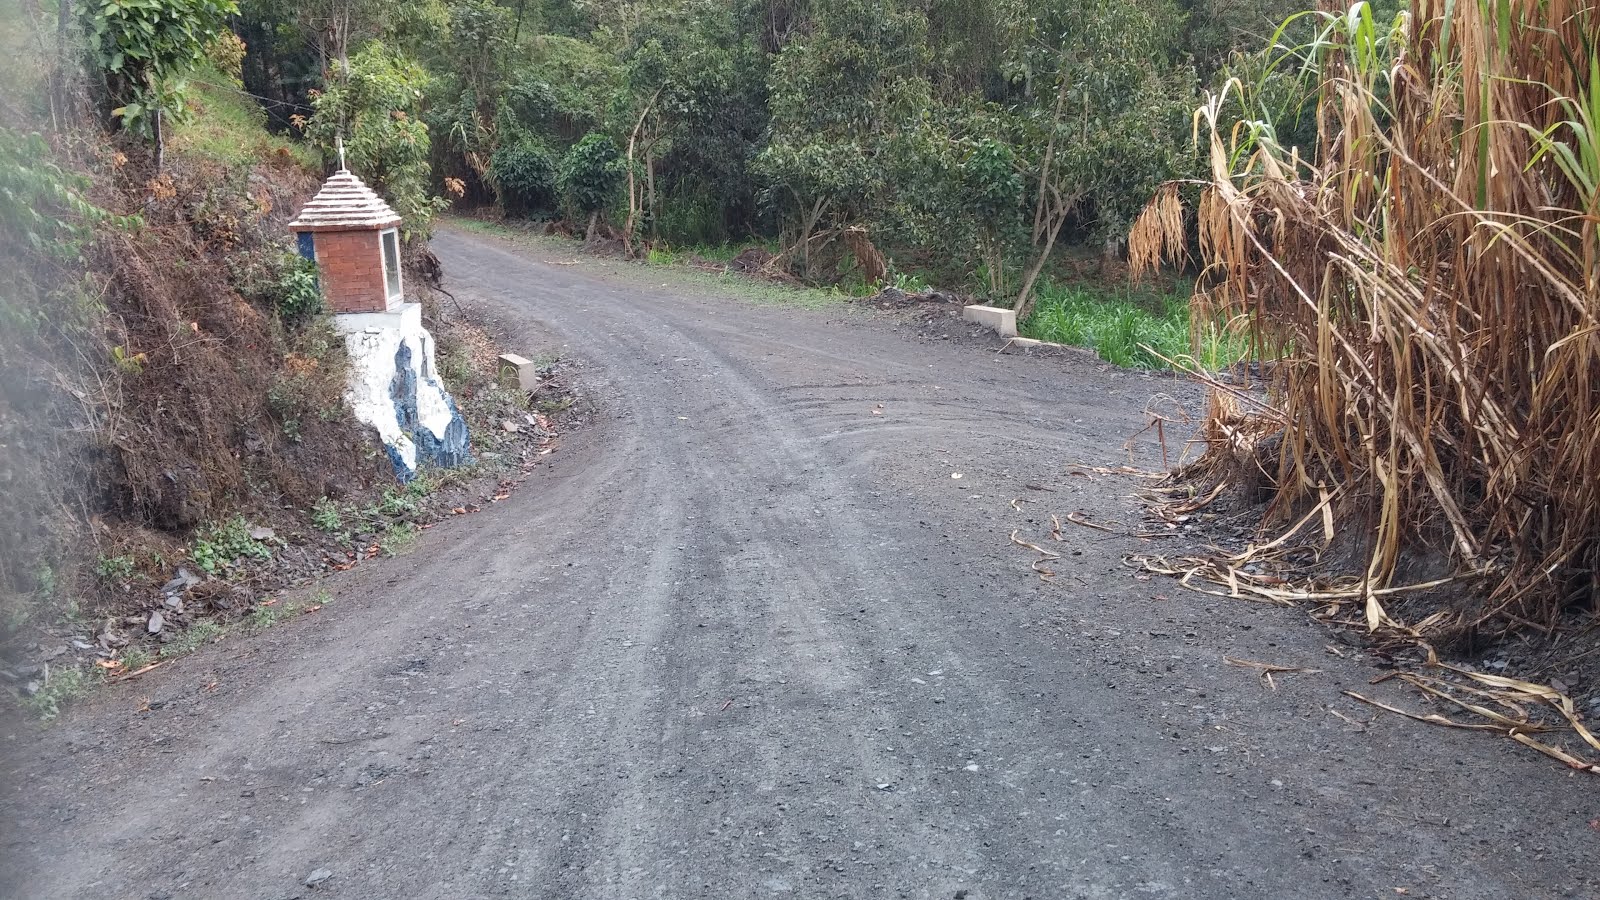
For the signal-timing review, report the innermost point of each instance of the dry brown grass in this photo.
(1430, 281)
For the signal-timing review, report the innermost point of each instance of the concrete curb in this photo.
(1003, 321)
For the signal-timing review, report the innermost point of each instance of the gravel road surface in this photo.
(748, 635)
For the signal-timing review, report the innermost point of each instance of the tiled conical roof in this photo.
(344, 202)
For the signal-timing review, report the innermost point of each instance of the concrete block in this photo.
(1003, 321)
(522, 371)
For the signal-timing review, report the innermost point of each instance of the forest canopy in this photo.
(969, 138)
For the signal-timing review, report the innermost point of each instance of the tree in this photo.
(992, 196)
(373, 106)
(591, 173)
(1112, 131)
(839, 96)
(708, 121)
(146, 49)
(473, 62)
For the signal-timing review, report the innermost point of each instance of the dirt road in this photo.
(749, 635)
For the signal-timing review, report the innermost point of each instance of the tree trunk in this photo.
(594, 223)
(161, 147)
(807, 228)
(633, 192)
(994, 258)
(1110, 252)
(1024, 304)
(1050, 208)
(650, 190)
(1042, 202)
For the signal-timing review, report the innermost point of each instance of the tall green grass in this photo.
(1133, 329)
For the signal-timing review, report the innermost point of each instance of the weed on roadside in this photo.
(224, 544)
(114, 570)
(266, 614)
(270, 612)
(551, 407)
(136, 658)
(59, 687)
(398, 539)
(1135, 330)
(193, 638)
(455, 366)
(327, 516)
(407, 501)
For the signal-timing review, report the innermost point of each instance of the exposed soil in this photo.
(750, 635)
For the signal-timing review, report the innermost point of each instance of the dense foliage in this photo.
(372, 104)
(146, 49)
(524, 177)
(961, 136)
(590, 174)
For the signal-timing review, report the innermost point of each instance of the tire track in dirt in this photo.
(682, 659)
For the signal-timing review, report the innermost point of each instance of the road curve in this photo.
(748, 636)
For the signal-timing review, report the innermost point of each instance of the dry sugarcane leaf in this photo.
(1034, 547)
(1267, 670)
(1267, 667)
(1113, 470)
(1078, 519)
(1431, 718)
(1557, 753)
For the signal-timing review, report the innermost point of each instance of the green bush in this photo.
(279, 280)
(296, 294)
(524, 177)
(147, 48)
(591, 172)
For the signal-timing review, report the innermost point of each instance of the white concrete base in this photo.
(377, 344)
(405, 317)
(1003, 321)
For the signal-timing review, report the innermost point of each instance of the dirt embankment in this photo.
(176, 443)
